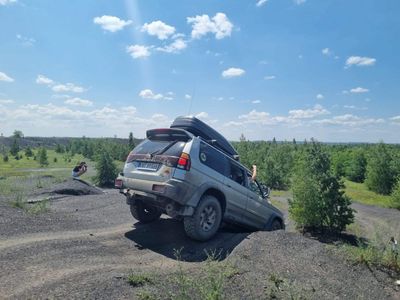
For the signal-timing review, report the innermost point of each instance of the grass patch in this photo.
(139, 279)
(280, 193)
(206, 283)
(372, 254)
(278, 204)
(278, 287)
(39, 207)
(18, 201)
(358, 192)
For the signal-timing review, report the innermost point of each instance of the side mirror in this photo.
(265, 190)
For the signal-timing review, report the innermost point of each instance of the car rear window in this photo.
(156, 147)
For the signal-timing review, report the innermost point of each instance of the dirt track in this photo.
(86, 245)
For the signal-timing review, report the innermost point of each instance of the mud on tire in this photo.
(145, 213)
(205, 221)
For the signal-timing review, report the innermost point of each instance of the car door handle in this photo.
(228, 185)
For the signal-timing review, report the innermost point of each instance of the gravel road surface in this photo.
(85, 246)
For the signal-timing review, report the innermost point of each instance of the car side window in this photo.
(213, 158)
(236, 173)
(254, 187)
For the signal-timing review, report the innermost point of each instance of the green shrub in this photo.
(395, 196)
(28, 152)
(5, 158)
(380, 175)
(106, 170)
(43, 160)
(318, 199)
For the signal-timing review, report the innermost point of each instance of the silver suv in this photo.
(187, 177)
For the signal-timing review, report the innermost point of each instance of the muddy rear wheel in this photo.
(145, 213)
(205, 221)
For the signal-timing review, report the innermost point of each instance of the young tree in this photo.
(42, 157)
(396, 195)
(106, 169)
(131, 142)
(28, 152)
(14, 148)
(380, 175)
(318, 199)
(60, 149)
(357, 166)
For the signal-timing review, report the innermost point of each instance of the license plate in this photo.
(148, 166)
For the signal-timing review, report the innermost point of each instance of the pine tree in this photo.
(28, 152)
(357, 167)
(42, 157)
(106, 169)
(395, 196)
(380, 175)
(131, 142)
(14, 148)
(318, 199)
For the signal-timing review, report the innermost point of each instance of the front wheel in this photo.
(276, 225)
(205, 221)
(145, 213)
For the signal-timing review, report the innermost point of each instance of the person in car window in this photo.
(78, 170)
(254, 175)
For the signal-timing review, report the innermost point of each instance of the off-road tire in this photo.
(200, 226)
(276, 225)
(145, 213)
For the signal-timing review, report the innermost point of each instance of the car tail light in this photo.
(118, 183)
(130, 157)
(158, 188)
(184, 162)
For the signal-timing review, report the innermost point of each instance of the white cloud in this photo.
(26, 41)
(111, 23)
(6, 101)
(202, 115)
(349, 120)
(298, 2)
(149, 94)
(78, 102)
(317, 110)
(320, 96)
(261, 3)
(138, 51)
(68, 87)
(175, 47)
(359, 90)
(326, 51)
(270, 77)
(233, 72)
(41, 79)
(6, 2)
(255, 116)
(349, 106)
(395, 120)
(188, 97)
(256, 101)
(219, 25)
(360, 61)
(159, 29)
(5, 77)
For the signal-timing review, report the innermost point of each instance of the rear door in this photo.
(155, 158)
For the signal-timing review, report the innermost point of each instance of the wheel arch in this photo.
(219, 195)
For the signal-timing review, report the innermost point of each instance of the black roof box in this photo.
(201, 129)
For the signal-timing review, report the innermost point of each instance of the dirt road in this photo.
(85, 246)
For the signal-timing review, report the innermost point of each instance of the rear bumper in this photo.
(173, 192)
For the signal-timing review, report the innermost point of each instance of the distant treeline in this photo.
(378, 165)
(52, 142)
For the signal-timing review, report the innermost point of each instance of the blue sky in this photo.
(276, 68)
